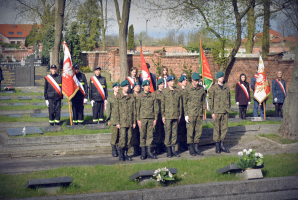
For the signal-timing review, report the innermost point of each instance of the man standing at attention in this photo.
(220, 104)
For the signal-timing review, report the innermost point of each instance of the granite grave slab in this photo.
(16, 104)
(22, 131)
(14, 115)
(275, 119)
(7, 92)
(75, 127)
(234, 168)
(64, 103)
(49, 182)
(4, 98)
(41, 97)
(39, 115)
(235, 120)
(39, 104)
(24, 98)
(144, 173)
(65, 114)
(96, 126)
(51, 128)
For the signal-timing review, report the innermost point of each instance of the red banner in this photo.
(145, 72)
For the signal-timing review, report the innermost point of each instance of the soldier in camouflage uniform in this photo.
(147, 114)
(159, 128)
(125, 120)
(135, 140)
(182, 131)
(194, 105)
(111, 104)
(220, 103)
(171, 111)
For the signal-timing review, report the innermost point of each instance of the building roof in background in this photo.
(291, 39)
(16, 30)
(276, 35)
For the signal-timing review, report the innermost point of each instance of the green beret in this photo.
(182, 78)
(146, 82)
(196, 76)
(136, 83)
(124, 83)
(160, 81)
(115, 84)
(170, 78)
(219, 74)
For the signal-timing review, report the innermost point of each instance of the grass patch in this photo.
(278, 139)
(102, 178)
(243, 123)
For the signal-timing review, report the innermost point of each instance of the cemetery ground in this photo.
(85, 154)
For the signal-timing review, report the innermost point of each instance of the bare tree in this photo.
(104, 22)
(123, 29)
(181, 38)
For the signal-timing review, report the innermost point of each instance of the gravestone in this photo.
(41, 97)
(16, 104)
(256, 119)
(75, 127)
(22, 131)
(65, 115)
(275, 119)
(40, 73)
(23, 76)
(64, 103)
(96, 126)
(229, 168)
(51, 128)
(24, 98)
(4, 98)
(39, 115)
(7, 92)
(9, 74)
(149, 173)
(235, 120)
(39, 104)
(253, 174)
(14, 115)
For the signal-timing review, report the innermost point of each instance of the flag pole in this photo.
(69, 112)
(264, 110)
(201, 49)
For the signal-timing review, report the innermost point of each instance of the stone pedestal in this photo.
(253, 174)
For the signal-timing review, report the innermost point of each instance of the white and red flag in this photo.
(70, 83)
(262, 89)
(145, 72)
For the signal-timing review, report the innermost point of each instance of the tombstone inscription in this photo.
(40, 73)
(9, 74)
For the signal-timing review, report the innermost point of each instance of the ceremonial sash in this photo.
(54, 84)
(281, 86)
(130, 80)
(245, 90)
(99, 88)
(179, 83)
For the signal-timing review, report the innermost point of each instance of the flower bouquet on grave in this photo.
(8, 88)
(163, 174)
(250, 159)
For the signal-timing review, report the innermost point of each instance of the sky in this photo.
(157, 27)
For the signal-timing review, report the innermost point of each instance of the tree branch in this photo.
(117, 11)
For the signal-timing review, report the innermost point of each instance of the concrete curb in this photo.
(283, 146)
(269, 188)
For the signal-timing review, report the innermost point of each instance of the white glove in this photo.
(205, 88)
(275, 99)
(237, 103)
(249, 103)
(187, 119)
(47, 102)
(106, 104)
(92, 103)
(85, 101)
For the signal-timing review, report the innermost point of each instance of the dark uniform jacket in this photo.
(125, 110)
(111, 105)
(93, 91)
(240, 95)
(147, 106)
(49, 90)
(194, 101)
(219, 99)
(82, 78)
(171, 103)
(278, 92)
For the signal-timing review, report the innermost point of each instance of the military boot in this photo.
(169, 152)
(191, 150)
(120, 153)
(114, 151)
(150, 154)
(174, 152)
(125, 154)
(143, 155)
(217, 148)
(135, 150)
(158, 149)
(52, 124)
(198, 150)
(223, 148)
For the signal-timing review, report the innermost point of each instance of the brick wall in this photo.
(247, 66)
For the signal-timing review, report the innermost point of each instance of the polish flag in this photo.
(145, 72)
(262, 89)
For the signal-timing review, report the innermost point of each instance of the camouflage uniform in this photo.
(111, 104)
(147, 112)
(135, 140)
(220, 103)
(182, 131)
(126, 117)
(194, 105)
(159, 128)
(171, 109)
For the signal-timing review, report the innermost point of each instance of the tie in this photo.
(134, 80)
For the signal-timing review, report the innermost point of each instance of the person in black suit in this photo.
(153, 78)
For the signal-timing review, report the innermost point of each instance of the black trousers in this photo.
(98, 110)
(242, 111)
(278, 109)
(78, 110)
(54, 110)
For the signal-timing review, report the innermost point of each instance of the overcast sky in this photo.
(7, 16)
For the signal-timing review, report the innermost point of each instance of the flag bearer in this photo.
(194, 110)
(171, 111)
(79, 99)
(111, 117)
(220, 104)
(135, 140)
(53, 95)
(125, 120)
(159, 128)
(98, 94)
(147, 114)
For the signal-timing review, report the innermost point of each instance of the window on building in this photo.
(10, 33)
(19, 42)
(19, 33)
(12, 42)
